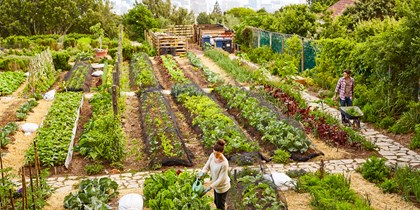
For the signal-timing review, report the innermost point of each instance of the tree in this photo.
(203, 18)
(139, 19)
(159, 8)
(369, 9)
(295, 19)
(216, 9)
(318, 6)
(180, 16)
(241, 12)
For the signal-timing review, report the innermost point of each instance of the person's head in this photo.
(347, 73)
(218, 148)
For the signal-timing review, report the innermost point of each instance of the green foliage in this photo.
(168, 190)
(281, 156)
(141, 70)
(14, 63)
(10, 81)
(42, 73)
(408, 119)
(103, 136)
(211, 77)
(264, 120)
(176, 74)
(211, 120)
(8, 130)
(76, 81)
(94, 168)
(241, 12)
(83, 44)
(61, 60)
(136, 28)
(389, 186)
(370, 9)
(54, 137)
(92, 194)
(331, 192)
(295, 19)
(23, 110)
(375, 170)
(386, 122)
(408, 181)
(415, 142)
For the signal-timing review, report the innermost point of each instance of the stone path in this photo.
(394, 152)
(136, 180)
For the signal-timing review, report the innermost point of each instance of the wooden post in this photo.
(2, 176)
(115, 100)
(282, 44)
(303, 57)
(115, 77)
(120, 47)
(37, 165)
(11, 199)
(271, 42)
(259, 38)
(32, 188)
(24, 194)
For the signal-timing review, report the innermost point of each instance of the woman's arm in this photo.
(222, 174)
(206, 167)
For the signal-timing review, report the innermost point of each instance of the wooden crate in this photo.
(182, 30)
(163, 40)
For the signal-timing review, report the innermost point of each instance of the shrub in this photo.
(386, 122)
(83, 44)
(375, 170)
(415, 142)
(15, 63)
(93, 169)
(408, 119)
(281, 156)
(389, 186)
(61, 59)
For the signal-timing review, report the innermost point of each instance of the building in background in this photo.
(255, 4)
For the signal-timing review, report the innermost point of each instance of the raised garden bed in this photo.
(79, 77)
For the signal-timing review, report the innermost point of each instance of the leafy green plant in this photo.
(168, 190)
(331, 192)
(21, 113)
(281, 156)
(375, 170)
(76, 80)
(259, 193)
(408, 119)
(8, 130)
(94, 168)
(42, 73)
(210, 75)
(10, 81)
(175, 73)
(103, 136)
(264, 120)
(92, 194)
(141, 71)
(389, 186)
(211, 120)
(54, 137)
(415, 142)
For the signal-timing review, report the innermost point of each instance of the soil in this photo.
(131, 122)
(214, 67)
(378, 199)
(16, 151)
(8, 109)
(161, 75)
(191, 72)
(55, 201)
(297, 201)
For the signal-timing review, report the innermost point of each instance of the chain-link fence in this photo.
(277, 42)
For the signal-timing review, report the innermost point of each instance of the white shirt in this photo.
(219, 173)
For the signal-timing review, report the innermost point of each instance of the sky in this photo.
(122, 6)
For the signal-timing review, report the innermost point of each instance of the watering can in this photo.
(198, 188)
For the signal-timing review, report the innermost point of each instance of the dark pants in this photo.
(346, 102)
(220, 199)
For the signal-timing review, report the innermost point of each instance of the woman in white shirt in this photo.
(218, 166)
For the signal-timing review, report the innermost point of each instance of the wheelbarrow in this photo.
(352, 116)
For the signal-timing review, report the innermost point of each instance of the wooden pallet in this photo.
(182, 30)
(163, 40)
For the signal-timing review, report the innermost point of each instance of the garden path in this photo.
(392, 151)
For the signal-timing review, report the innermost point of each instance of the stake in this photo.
(2, 176)
(37, 167)
(24, 198)
(32, 187)
(11, 199)
(115, 100)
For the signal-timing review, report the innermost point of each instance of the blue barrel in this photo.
(219, 42)
(206, 39)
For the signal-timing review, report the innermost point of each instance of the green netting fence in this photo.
(277, 42)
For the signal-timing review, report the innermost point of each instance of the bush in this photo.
(281, 156)
(375, 170)
(408, 119)
(15, 63)
(83, 44)
(93, 169)
(389, 186)
(415, 142)
(386, 122)
(61, 60)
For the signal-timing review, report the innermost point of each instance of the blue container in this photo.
(219, 42)
(227, 45)
(206, 39)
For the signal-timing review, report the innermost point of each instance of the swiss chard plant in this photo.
(211, 120)
(53, 138)
(273, 130)
(10, 81)
(170, 190)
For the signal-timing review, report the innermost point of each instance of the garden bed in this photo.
(79, 77)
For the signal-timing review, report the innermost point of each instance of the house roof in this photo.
(339, 7)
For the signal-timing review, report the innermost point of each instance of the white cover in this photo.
(29, 128)
(131, 202)
(49, 96)
(97, 73)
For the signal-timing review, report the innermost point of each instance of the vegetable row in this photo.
(141, 71)
(54, 137)
(174, 72)
(10, 81)
(76, 78)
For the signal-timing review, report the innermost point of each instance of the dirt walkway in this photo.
(214, 67)
(16, 151)
(297, 201)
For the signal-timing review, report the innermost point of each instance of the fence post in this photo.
(303, 57)
(115, 100)
(271, 42)
(259, 38)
